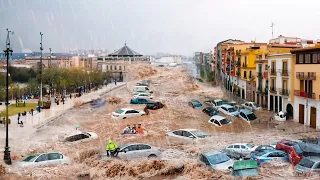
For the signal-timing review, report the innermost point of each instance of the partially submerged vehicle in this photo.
(187, 134)
(247, 115)
(308, 166)
(216, 160)
(81, 136)
(219, 120)
(245, 168)
(252, 106)
(281, 116)
(125, 113)
(44, 159)
(195, 104)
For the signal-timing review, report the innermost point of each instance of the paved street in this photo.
(32, 123)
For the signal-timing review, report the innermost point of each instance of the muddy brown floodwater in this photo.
(174, 88)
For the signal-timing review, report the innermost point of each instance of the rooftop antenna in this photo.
(272, 25)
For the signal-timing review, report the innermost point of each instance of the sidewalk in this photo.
(38, 120)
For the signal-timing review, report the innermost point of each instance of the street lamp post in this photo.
(8, 51)
(41, 49)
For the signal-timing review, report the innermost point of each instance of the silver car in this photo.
(137, 150)
(308, 166)
(44, 159)
(216, 160)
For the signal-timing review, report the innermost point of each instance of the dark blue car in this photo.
(195, 104)
(139, 101)
(210, 111)
(269, 155)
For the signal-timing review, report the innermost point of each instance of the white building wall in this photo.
(311, 103)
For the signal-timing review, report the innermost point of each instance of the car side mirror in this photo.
(126, 150)
(61, 156)
(230, 169)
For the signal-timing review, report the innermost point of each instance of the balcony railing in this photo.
(251, 78)
(259, 74)
(284, 72)
(244, 65)
(306, 76)
(273, 72)
(238, 63)
(284, 92)
(304, 94)
(273, 90)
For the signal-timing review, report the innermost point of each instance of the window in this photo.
(205, 160)
(144, 146)
(314, 58)
(300, 58)
(237, 146)
(273, 66)
(111, 67)
(245, 74)
(266, 67)
(307, 58)
(53, 156)
(129, 112)
(134, 111)
(217, 123)
(43, 157)
(284, 85)
(242, 114)
(250, 73)
(231, 146)
(107, 67)
(115, 67)
(132, 148)
(272, 84)
(273, 155)
(243, 147)
(284, 67)
(120, 68)
(178, 133)
(186, 134)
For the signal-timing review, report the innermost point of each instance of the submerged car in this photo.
(125, 113)
(44, 159)
(252, 106)
(308, 166)
(82, 137)
(219, 120)
(235, 155)
(139, 101)
(216, 160)
(195, 104)
(262, 148)
(242, 148)
(269, 155)
(210, 111)
(247, 115)
(137, 150)
(143, 95)
(245, 168)
(228, 110)
(217, 103)
(188, 134)
(154, 105)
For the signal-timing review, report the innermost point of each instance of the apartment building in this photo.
(306, 85)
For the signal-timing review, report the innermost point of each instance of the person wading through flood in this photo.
(127, 130)
(146, 110)
(112, 148)
(141, 129)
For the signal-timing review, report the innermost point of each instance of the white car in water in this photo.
(242, 148)
(81, 137)
(228, 110)
(252, 106)
(219, 120)
(143, 95)
(137, 150)
(125, 113)
(188, 134)
(44, 159)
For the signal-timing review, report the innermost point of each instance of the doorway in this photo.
(313, 117)
(276, 104)
(301, 113)
(243, 94)
(289, 111)
(271, 103)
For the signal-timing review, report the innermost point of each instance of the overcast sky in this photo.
(151, 26)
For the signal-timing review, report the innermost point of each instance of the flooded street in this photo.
(180, 160)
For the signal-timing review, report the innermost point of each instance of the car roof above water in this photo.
(211, 153)
(217, 117)
(246, 111)
(227, 106)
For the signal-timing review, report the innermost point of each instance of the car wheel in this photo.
(124, 117)
(142, 114)
(152, 156)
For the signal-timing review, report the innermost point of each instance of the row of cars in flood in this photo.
(244, 159)
(214, 107)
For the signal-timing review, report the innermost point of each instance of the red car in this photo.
(293, 150)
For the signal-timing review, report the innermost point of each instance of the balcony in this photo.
(306, 76)
(284, 92)
(238, 74)
(284, 72)
(273, 72)
(304, 94)
(244, 65)
(238, 63)
(265, 91)
(259, 74)
(261, 61)
(273, 90)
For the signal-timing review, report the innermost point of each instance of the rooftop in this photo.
(125, 51)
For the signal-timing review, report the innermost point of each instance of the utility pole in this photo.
(41, 49)
(8, 51)
(272, 25)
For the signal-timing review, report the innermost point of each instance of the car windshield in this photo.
(246, 172)
(260, 153)
(199, 134)
(218, 158)
(225, 121)
(255, 104)
(306, 162)
(250, 146)
(219, 103)
(298, 149)
(210, 109)
(232, 109)
(31, 158)
(120, 111)
(251, 117)
(122, 146)
(196, 104)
